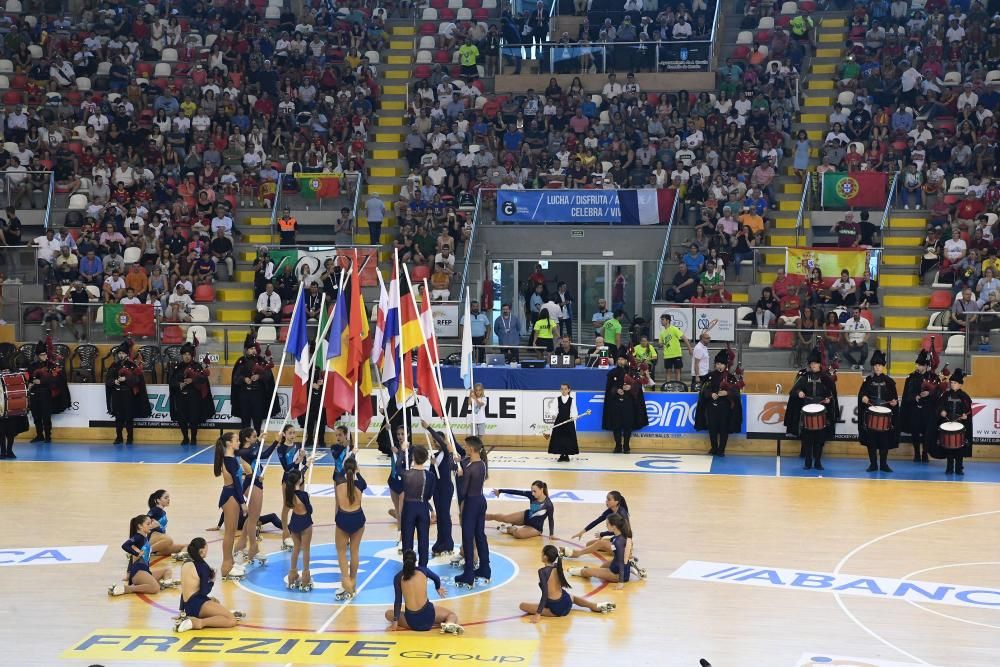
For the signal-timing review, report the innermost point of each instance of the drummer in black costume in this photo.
(878, 415)
(920, 394)
(125, 392)
(48, 393)
(814, 385)
(191, 402)
(252, 386)
(955, 407)
(720, 409)
(563, 440)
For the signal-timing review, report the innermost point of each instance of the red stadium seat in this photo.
(868, 315)
(172, 335)
(446, 14)
(420, 273)
(204, 294)
(428, 29)
(481, 14)
(941, 300)
(442, 57)
(422, 71)
(288, 309)
(784, 339)
(764, 36)
(439, 4)
(12, 98)
(740, 52)
(807, 6)
(19, 81)
(144, 70)
(473, 4)
(783, 21)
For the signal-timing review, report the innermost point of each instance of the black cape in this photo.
(826, 388)
(883, 439)
(193, 405)
(248, 403)
(51, 396)
(953, 403)
(711, 386)
(129, 399)
(916, 413)
(627, 411)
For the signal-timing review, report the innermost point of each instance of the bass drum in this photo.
(13, 394)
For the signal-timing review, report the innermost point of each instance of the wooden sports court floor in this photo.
(751, 564)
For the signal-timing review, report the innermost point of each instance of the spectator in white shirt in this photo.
(124, 174)
(268, 305)
(179, 304)
(612, 89)
(855, 348)
(48, 247)
(114, 286)
(682, 29)
(223, 222)
(62, 72)
(844, 290)
(968, 98)
(955, 248)
(130, 298)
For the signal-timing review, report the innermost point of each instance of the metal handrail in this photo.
(357, 202)
(48, 203)
(470, 243)
(276, 204)
(803, 202)
(666, 249)
(886, 215)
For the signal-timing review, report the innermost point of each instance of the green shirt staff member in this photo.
(545, 331)
(670, 340)
(646, 353)
(613, 332)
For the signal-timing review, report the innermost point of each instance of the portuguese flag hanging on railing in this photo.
(318, 185)
(135, 319)
(855, 189)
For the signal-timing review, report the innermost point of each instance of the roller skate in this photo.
(565, 553)
(465, 584)
(236, 573)
(458, 562)
(435, 553)
(183, 624)
(343, 595)
(452, 628)
(606, 607)
(239, 615)
(306, 587)
(169, 583)
(574, 571)
(640, 571)
(240, 557)
(181, 557)
(257, 534)
(116, 590)
(258, 560)
(484, 576)
(287, 544)
(503, 528)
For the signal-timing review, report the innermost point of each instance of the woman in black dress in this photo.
(563, 439)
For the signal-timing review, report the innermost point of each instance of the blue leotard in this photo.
(422, 619)
(192, 606)
(138, 562)
(618, 565)
(537, 512)
(560, 607)
(299, 522)
(159, 515)
(234, 490)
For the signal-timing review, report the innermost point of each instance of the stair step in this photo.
(775, 260)
(781, 240)
(741, 297)
(898, 280)
(385, 154)
(402, 31)
(400, 44)
(244, 276)
(233, 315)
(822, 68)
(900, 344)
(838, 22)
(829, 52)
(393, 105)
(390, 121)
(390, 172)
(813, 118)
(900, 260)
(388, 137)
(259, 221)
(815, 135)
(825, 101)
(397, 74)
(900, 301)
(234, 294)
(399, 60)
(785, 224)
(766, 278)
(394, 89)
(905, 322)
(902, 241)
(907, 223)
(831, 38)
(820, 84)
(792, 205)
(381, 189)
(792, 188)
(259, 238)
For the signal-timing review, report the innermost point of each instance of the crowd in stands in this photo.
(160, 120)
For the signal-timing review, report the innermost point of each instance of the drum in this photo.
(951, 435)
(813, 417)
(13, 394)
(878, 418)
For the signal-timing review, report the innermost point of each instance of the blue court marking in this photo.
(378, 563)
(976, 471)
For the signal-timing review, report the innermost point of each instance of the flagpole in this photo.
(312, 371)
(437, 368)
(472, 361)
(274, 396)
(377, 372)
(312, 455)
(357, 413)
(401, 391)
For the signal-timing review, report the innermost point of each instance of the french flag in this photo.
(298, 346)
(648, 206)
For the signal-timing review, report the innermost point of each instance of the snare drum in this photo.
(13, 394)
(951, 435)
(878, 418)
(814, 417)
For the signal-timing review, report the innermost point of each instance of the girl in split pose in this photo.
(601, 544)
(619, 570)
(529, 523)
(300, 526)
(349, 486)
(140, 579)
(418, 613)
(555, 600)
(231, 501)
(198, 610)
(161, 544)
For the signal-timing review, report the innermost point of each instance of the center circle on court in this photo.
(378, 563)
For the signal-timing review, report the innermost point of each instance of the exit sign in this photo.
(576, 233)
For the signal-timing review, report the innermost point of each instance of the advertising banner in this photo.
(669, 414)
(445, 319)
(680, 317)
(720, 323)
(647, 206)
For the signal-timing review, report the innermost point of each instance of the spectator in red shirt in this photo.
(782, 284)
(791, 306)
(969, 209)
(746, 157)
(848, 232)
